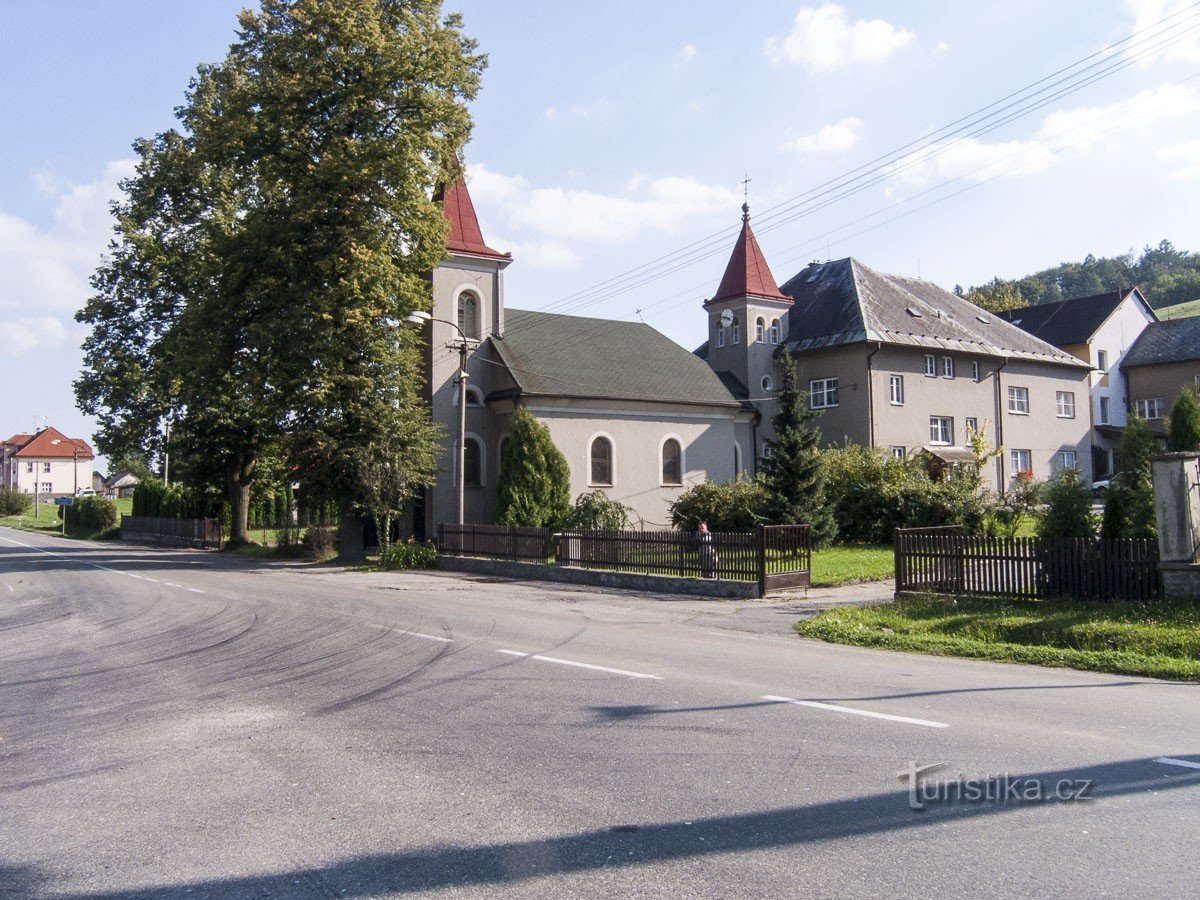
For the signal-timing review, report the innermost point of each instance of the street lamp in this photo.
(463, 345)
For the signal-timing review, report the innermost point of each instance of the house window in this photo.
(474, 397)
(931, 365)
(601, 461)
(823, 393)
(975, 370)
(46, 468)
(896, 390)
(28, 467)
(720, 335)
(767, 384)
(1065, 402)
(1066, 459)
(899, 453)
(1022, 461)
(472, 464)
(1018, 401)
(1103, 410)
(947, 366)
(775, 337)
(1102, 360)
(672, 462)
(760, 331)
(735, 336)
(941, 430)
(468, 315)
(972, 424)
(1149, 409)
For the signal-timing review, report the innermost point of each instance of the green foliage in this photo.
(737, 506)
(534, 483)
(320, 541)
(792, 475)
(90, 514)
(596, 512)
(1183, 428)
(408, 555)
(1129, 504)
(13, 502)
(1007, 513)
(153, 498)
(1068, 509)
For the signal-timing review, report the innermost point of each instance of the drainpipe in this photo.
(1000, 432)
(871, 396)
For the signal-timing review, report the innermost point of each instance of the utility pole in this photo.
(167, 456)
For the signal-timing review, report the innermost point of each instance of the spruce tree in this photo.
(1129, 506)
(534, 484)
(1183, 429)
(793, 475)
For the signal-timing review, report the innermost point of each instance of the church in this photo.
(889, 361)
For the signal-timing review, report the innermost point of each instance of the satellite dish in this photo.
(727, 317)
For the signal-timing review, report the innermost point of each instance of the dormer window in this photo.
(760, 331)
(468, 315)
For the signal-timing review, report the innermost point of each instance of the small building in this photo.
(121, 485)
(1163, 361)
(46, 463)
(1100, 330)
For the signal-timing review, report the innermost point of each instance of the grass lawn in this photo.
(1159, 639)
(47, 521)
(852, 563)
(1179, 310)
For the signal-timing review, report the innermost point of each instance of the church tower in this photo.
(746, 321)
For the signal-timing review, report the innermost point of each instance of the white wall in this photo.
(61, 476)
(1115, 336)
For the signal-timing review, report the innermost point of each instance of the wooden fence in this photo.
(775, 557)
(204, 533)
(945, 560)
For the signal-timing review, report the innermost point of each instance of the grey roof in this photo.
(1072, 321)
(571, 356)
(844, 302)
(1172, 340)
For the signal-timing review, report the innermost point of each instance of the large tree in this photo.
(268, 250)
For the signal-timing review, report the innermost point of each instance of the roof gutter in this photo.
(1000, 431)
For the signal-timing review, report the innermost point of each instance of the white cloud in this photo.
(1185, 158)
(562, 215)
(1147, 14)
(833, 138)
(1078, 129)
(685, 55)
(551, 113)
(824, 38)
(941, 47)
(45, 270)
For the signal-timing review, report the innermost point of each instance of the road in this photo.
(178, 724)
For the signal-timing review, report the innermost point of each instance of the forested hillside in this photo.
(1166, 276)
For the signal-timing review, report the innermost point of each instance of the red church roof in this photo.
(50, 443)
(465, 235)
(748, 274)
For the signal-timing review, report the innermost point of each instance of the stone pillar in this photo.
(1177, 509)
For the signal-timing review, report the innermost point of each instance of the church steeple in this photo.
(747, 274)
(465, 235)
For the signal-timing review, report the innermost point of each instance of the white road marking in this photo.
(856, 712)
(84, 562)
(196, 590)
(1187, 764)
(172, 584)
(10, 588)
(569, 662)
(148, 578)
(430, 637)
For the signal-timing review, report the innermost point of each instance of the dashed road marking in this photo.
(830, 707)
(1185, 763)
(580, 665)
(430, 637)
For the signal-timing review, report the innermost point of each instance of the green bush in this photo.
(1183, 427)
(596, 512)
(1068, 509)
(533, 487)
(13, 503)
(320, 541)
(90, 514)
(737, 506)
(408, 555)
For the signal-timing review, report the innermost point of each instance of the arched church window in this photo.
(720, 335)
(601, 461)
(760, 331)
(774, 331)
(672, 462)
(468, 315)
(736, 329)
(473, 464)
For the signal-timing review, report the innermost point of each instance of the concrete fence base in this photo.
(631, 581)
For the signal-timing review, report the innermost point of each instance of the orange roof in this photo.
(465, 234)
(17, 439)
(748, 274)
(50, 443)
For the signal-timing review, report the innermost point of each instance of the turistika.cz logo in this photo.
(1002, 788)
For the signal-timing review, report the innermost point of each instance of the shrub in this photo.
(533, 485)
(1068, 510)
(737, 506)
(90, 514)
(13, 503)
(1129, 503)
(1019, 501)
(408, 555)
(320, 541)
(1183, 428)
(596, 512)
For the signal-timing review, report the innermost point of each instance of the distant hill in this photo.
(1180, 310)
(1166, 276)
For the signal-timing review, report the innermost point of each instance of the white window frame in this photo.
(930, 366)
(45, 468)
(1064, 404)
(943, 427)
(900, 453)
(662, 445)
(735, 328)
(474, 397)
(1102, 360)
(1140, 406)
(1018, 400)
(1060, 460)
(896, 390)
(947, 366)
(971, 423)
(476, 332)
(975, 370)
(774, 332)
(1016, 456)
(1104, 413)
(760, 330)
(612, 461)
(767, 384)
(827, 386)
(720, 335)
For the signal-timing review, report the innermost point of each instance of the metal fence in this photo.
(204, 533)
(775, 557)
(945, 560)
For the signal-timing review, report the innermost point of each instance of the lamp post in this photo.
(463, 345)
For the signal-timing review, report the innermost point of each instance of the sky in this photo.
(609, 138)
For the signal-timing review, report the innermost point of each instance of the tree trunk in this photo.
(350, 535)
(240, 477)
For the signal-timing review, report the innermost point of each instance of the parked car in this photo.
(86, 492)
(1100, 488)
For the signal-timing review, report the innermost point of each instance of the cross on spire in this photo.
(746, 198)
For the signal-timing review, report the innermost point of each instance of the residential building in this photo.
(1100, 330)
(1163, 361)
(46, 463)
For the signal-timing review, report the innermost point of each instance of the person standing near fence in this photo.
(707, 552)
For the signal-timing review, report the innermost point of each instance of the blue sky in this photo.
(603, 142)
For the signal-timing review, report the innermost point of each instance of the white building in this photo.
(47, 463)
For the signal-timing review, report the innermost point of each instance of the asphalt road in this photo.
(177, 724)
